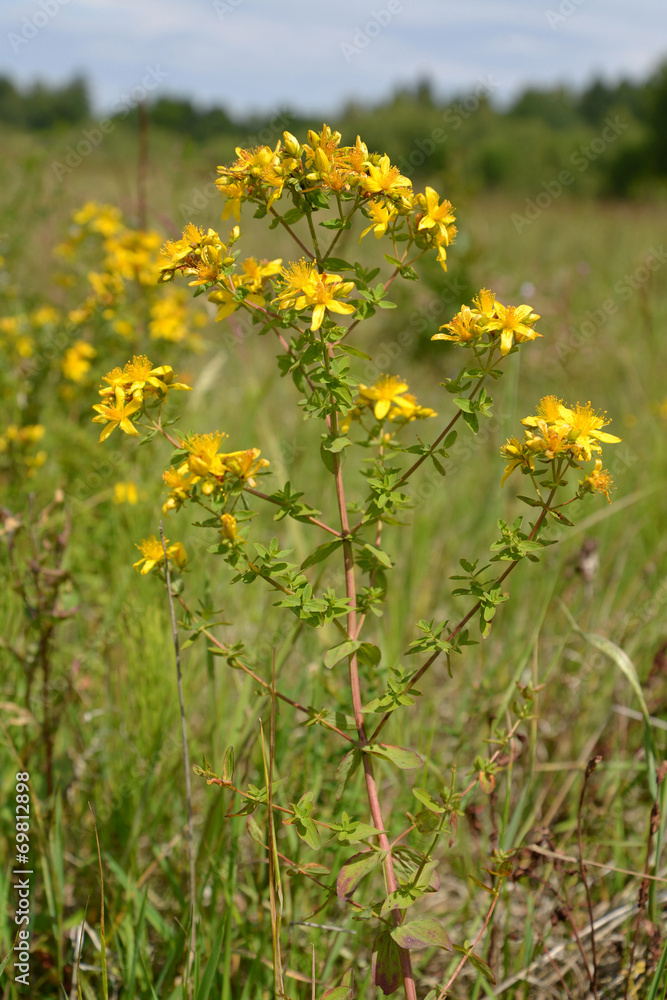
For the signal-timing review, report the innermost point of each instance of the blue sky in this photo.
(262, 55)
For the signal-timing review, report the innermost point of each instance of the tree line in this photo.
(610, 138)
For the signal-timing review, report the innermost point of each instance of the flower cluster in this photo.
(572, 433)
(170, 319)
(490, 319)
(128, 389)
(249, 285)
(152, 554)
(322, 167)
(77, 360)
(122, 280)
(204, 463)
(198, 254)
(306, 288)
(388, 399)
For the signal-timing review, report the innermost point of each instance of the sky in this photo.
(309, 56)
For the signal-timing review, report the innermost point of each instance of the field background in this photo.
(581, 264)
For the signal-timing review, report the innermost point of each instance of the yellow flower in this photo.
(301, 278)
(306, 287)
(324, 298)
(437, 217)
(44, 316)
(514, 323)
(123, 327)
(597, 481)
(103, 219)
(585, 431)
(549, 408)
(580, 428)
(517, 455)
(254, 272)
(234, 191)
(180, 481)
(252, 277)
(116, 415)
(381, 215)
(139, 379)
(106, 287)
(410, 410)
(383, 394)
(245, 464)
(485, 303)
(125, 493)
(196, 253)
(229, 527)
(385, 179)
(152, 554)
(464, 328)
(76, 363)
(132, 255)
(203, 457)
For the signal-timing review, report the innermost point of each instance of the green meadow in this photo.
(88, 686)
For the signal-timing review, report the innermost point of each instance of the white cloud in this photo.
(255, 54)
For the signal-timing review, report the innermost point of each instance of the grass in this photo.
(116, 720)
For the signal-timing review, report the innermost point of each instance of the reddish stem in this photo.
(355, 688)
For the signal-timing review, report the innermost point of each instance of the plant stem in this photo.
(292, 233)
(357, 704)
(186, 765)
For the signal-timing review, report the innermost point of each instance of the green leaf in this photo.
(293, 215)
(482, 885)
(348, 765)
(531, 501)
(338, 264)
(338, 993)
(427, 799)
(561, 518)
(336, 444)
(327, 458)
(357, 354)
(228, 765)
(406, 760)
(321, 553)
(368, 655)
(381, 556)
(341, 652)
(335, 224)
(481, 966)
(472, 421)
(356, 869)
(424, 933)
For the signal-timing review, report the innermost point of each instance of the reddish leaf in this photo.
(354, 870)
(423, 933)
(338, 993)
(386, 964)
